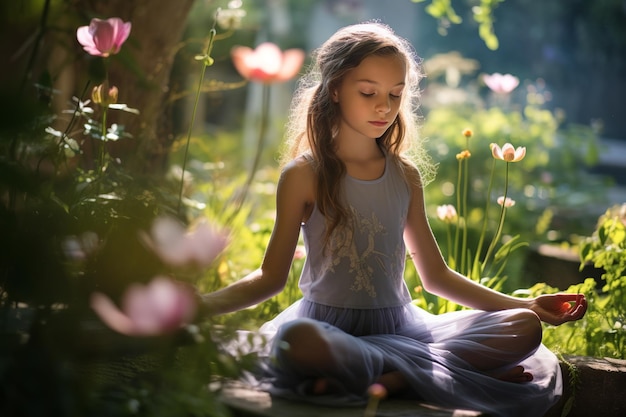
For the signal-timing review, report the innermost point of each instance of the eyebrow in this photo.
(365, 80)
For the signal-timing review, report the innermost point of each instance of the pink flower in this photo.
(160, 307)
(507, 203)
(377, 391)
(508, 152)
(501, 84)
(267, 63)
(177, 246)
(299, 253)
(446, 213)
(103, 37)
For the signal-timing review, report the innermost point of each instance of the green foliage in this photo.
(602, 331)
(443, 12)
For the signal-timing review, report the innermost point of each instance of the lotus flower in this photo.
(508, 202)
(508, 152)
(178, 247)
(446, 213)
(267, 63)
(160, 307)
(501, 84)
(103, 37)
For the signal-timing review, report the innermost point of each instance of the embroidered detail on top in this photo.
(360, 260)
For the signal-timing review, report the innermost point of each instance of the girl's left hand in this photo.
(559, 308)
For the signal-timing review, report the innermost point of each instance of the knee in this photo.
(303, 343)
(527, 328)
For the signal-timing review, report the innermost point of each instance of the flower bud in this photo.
(104, 95)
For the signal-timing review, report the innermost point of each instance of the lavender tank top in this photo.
(363, 267)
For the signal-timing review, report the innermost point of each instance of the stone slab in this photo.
(246, 402)
(598, 388)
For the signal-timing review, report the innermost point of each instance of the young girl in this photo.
(352, 189)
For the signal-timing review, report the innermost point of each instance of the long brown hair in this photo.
(315, 116)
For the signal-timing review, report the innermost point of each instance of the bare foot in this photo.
(394, 382)
(516, 374)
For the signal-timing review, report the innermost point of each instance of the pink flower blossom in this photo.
(103, 37)
(267, 63)
(177, 246)
(160, 307)
(299, 253)
(501, 84)
(508, 152)
(377, 391)
(446, 213)
(507, 203)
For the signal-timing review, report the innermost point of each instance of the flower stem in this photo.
(103, 138)
(496, 238)
(465, 198)
(205, 63)
(458, 218)
(486, 216)
(265, 105)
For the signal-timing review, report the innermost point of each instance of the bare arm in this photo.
(439, 279)
(294, 195)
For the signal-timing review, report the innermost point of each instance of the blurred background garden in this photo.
(132, 167)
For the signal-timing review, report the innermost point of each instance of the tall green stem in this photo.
(486, 215)
(464, 211)
(458, 217)
(103, 139)
(496, 238)
(206, 62)
(265, 106)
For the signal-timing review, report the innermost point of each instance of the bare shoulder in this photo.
(412, 175)
(298, 177)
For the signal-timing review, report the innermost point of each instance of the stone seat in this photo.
(592, 387)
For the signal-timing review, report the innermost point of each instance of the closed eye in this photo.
(367, 94)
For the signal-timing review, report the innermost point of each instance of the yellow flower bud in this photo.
(104, 95)
(463, 154)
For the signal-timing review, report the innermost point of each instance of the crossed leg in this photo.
(308, 348)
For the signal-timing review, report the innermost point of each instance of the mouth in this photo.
(378, 123)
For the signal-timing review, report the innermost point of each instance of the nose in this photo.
(383, 105)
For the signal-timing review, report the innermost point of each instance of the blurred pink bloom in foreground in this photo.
(178, 247)
(160, 307)
(501, 84)
(299, 253)
(508, 152)
(103, 37)
(267, 63)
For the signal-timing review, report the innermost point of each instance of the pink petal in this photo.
(86, 40)
(121, 31)
(292, 62)
(110, 314)
(267, 59)
(239, 56)
(496, 152)
(206, 243)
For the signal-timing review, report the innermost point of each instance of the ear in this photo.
(335, 96)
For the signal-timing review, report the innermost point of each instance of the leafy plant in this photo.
(602, 331)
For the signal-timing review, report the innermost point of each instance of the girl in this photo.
(352, 189)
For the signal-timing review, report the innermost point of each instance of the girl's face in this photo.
(369, 96)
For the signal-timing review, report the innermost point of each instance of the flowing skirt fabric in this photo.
(426, 348)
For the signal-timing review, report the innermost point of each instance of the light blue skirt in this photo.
(426, 348)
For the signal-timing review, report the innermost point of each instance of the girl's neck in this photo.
(362, 158)
(359, 149)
